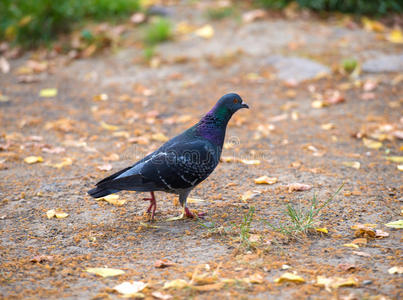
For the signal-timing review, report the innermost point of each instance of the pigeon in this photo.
(180, 164)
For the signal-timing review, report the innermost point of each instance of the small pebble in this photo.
(367, 282)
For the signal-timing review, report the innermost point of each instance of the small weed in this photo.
(149, 53)
(302, 220)
(244, 228)
(241, 231)
(158, 31)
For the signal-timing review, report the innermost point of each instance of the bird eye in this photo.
(235, 100)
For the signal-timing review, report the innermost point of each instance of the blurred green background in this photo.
(31, 23)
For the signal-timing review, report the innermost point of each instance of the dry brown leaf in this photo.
(160, 137)
(371, 143)
(253, 15)
(176, 284)
(163, 263)
(105, 167)
(363, 230)
(254, 278)
(330, 283)
(161, 296)
(298, 187)
(266, 180)
(112, 199)
(351, 245)
(100, 97)
(352, 164)
(396, 270)
(248, 195)
(67, 161)
(41, 258)
(56, 213)
(107, 126)
(360, 253)
(227, 159)
(105, 272)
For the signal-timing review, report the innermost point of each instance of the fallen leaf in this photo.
(352, 164)
(112, 199)
(351, 245)
(289, 277)
(53, 150)
(48, 93)
(250, 162)
(163, 263)
(253, 15)
(227, 159)
(209, 287)
(4, 98)
(323, 230)
(364, 230)
(67, 161)
(195, 200)
(396, 270)
(347, 267)
(4, 65)
(381, 233)
(206, 32)
(138, 18)
(105, 272)
(105, 167)
(395, 36)
(107, 126)
(372, 25)
(33, 159)
(100, 97)
(148, 225)
(161, 296)
(334, 97)
(41, 258)
(255, 278)
(400, 167)
(266, 180)
(298, 187)
(395, 224)
(327, 126)
(176, 284)
(248, 195)
(335, 282)
(371, 143)
(396, 159)
(56, 213)
(360, 253)
(362, 241)
(128, 288)
(160, 137)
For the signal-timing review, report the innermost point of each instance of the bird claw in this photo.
(187, 214)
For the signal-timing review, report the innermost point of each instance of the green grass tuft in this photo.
(301, 220)
(158, 31)
(32, 23)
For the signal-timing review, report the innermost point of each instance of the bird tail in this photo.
(99, 192)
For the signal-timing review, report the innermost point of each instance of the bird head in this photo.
(232, 102)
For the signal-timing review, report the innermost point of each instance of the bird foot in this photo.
(187, 214)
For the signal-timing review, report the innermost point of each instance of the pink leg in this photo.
(189, 214)
(153, 205)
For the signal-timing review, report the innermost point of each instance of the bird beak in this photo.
(244, 105)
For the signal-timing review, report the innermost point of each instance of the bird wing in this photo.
(181, 165)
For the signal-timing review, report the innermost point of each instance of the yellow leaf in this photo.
(227, 159)
(176, 284)
(105, 272)
(400, 167)
(395, 224)
(100, 97)
(266, 180)
(372, 25)
(24, 21)
(195, 200)
(33, 159)
(130, 288)
(318, 104)
(160, 137)
(47, 93)
(352, 164)
(289, 277)
(395, 270)
(67, 161)
(56, 213)
(362, 241)
(335, 282)
(395, 36)
(113, 199)
(371, 143)
(396, 159)
(351, 245)
(324, 230)
(250, 162)
(108, 126)
(50, 213)
(206, 32)
(327, 126)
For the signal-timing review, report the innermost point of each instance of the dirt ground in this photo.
(303, 128)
